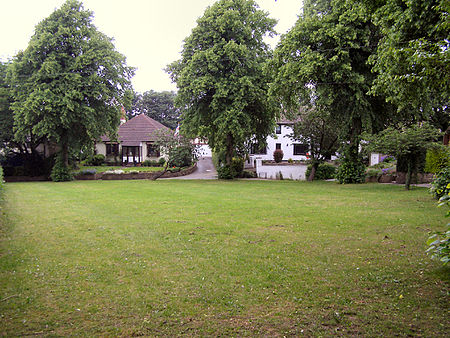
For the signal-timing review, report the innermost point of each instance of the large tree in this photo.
(413, 57)
(222, 87)
(68, 85)
(322, 62)
(160, 106)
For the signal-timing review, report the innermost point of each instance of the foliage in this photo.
(439, 186)
(153, 163)
(87, 172)
(350, 172)
(235, 170)
(374, 172)
(161, 161)
(324, 171)
(319, 130)
(408, 143)
(157, 105)
(437, 159)
(98, 159)
(179, 150)
(6, 114)
(60, 171)
(413, 57)
(321, 64)
(222, 88)
(2, 183)
(439, 242)
(278, 155)
(69, 83)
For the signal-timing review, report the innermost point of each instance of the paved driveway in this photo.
(205, 171)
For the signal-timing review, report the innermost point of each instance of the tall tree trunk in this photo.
(312, 174)
(229, 151)
(408, 175)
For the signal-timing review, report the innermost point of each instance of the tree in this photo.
(6, 114)
(318, 130)
(407, 142)
(157, 105)
(413, 58)
(322, 63)
(222, 87)
(178, 150)
(68, 84)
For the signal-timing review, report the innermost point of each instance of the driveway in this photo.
(205, 171)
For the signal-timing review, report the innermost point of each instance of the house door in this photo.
(131, 155)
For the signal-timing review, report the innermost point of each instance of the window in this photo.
(300, 149)
(152, 150)
(277, 145)
(278, 129)
(112, 149)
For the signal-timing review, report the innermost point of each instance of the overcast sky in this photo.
(148, 32)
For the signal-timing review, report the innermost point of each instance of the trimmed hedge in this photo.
(1, 180)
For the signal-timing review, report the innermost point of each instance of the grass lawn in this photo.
(201, 258)
(102, 169)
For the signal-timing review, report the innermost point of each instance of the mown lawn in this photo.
(208, 258)
(102, 169)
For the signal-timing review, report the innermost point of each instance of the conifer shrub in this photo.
(278, 155)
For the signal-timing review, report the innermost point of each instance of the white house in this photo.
(281, 139)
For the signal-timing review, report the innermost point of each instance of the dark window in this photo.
(277, 145)
(278, 129)
(152, 150)
(300, 149)
(112, 149)
(258, 149)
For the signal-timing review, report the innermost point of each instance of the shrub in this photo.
(374, 172)
(237, 166)
(224, 173)
(98, 159)
(248, 174)
(439, 242)
(162, 161)
(278, 155)
(290, 160)
(349, 172)
(180, 156)
(146, 163)
(440, 184)
(325, 171)
(60, 172)
(87, 172)
(437, 159)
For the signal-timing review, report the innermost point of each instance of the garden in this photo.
(238, 258)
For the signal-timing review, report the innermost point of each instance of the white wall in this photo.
(292, 171)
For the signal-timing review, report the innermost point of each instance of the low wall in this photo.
(136, 176)
(276, 170)
(421, 178)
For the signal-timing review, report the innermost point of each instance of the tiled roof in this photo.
(138, 129)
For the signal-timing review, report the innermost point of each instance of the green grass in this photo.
(102, 169)
(201, 258)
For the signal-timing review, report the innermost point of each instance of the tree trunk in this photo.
(166, 166)
(312, 174)
(408, 175)
(229, 151)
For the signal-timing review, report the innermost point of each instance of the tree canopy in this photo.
(322, 62)
(413, 57)
(69, 83)
(222, 87)
(160, 106)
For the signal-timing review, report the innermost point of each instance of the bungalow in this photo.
(136, 141)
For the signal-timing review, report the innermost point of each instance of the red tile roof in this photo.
(138, 129)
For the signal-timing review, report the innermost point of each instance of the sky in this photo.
(149, 33)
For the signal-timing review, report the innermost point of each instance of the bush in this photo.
(325, 171)
(60, 172)
(440, 184)
(278, 155)
(439, 242)
(87, 172)
(224, 173)
(374, 172)
(98, 159)
(146, 163)
(237, 166)
(349, 172)
(437, 159)
(180, 157)
(162, 161)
